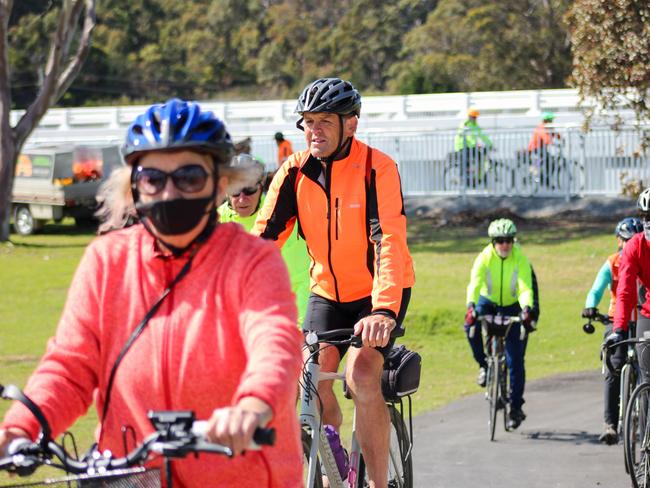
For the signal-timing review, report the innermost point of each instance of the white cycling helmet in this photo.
(643, 203)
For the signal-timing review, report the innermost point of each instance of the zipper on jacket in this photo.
(336, 217)
(328, 184)
(501, 285)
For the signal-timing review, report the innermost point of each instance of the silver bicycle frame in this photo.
(310, 418)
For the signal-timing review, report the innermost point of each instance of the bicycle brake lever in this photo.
(21, 458)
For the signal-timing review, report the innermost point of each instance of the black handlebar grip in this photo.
(264, 436)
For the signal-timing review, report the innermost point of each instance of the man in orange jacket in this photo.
(346, 199)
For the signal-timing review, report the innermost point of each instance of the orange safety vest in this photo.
(354, 225)
(284, 151)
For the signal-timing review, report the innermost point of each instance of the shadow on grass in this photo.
(425, 235)
(53, 236)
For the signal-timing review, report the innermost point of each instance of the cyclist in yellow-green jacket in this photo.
(502, 281)
(242, 207)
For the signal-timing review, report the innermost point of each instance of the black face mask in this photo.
(174, 217)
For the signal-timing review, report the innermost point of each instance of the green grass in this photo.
(37, 270)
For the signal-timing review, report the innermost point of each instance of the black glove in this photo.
(527, 320)
(470, 315)
(590, 313)
(613, 338)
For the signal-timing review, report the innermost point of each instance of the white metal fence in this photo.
(418, 131)
(580, 164)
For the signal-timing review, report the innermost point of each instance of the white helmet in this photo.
(643, 203)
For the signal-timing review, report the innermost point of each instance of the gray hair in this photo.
(115, 201)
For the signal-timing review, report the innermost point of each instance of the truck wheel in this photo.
(24, 222)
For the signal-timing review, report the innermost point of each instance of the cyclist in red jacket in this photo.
(635, 265)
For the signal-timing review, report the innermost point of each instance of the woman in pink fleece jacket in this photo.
(211, 306)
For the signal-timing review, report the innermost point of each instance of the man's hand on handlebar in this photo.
(234, 427)
(375, 329)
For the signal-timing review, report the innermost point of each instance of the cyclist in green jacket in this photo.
(502, 282)
(242, 207)
(470, 135)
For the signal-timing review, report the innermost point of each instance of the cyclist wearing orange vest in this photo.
(284, 148)
(543, 135)
(346, 199)
(608, 277)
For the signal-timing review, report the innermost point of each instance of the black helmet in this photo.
(279, 136)
(332, 95)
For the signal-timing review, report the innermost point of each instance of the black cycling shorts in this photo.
(324, 314)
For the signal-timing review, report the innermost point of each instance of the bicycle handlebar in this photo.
(177, 434)
(343, 336)
(588, 328)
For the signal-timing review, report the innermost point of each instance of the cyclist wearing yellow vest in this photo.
(608, 278)
(242, 207)
(502, 282)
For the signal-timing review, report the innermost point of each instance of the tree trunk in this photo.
(61, 69)
(7, 159)
(8, 139)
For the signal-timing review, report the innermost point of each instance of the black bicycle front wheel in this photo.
(628, 383)
(492, 394)
(504, 401)
(636, 437)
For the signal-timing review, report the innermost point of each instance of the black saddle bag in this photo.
(401, 375)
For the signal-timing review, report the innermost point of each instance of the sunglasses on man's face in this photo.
(191, 178)
(504, 240)
(248, 191)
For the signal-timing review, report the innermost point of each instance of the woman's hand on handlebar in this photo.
(234, 427)
(375, 329)
(9, 435)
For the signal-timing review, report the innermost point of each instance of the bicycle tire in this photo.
(628, 383)
(503, 392)
(400, 459)
(492, 394)
(451, 179)
(306, 451)
(635, 435)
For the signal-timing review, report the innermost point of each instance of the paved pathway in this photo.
(556, 447)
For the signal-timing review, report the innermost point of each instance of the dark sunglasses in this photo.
(188, 179)
(248, 191)
(504, 240)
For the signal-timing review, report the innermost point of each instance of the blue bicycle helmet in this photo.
(627, 227)
(177, 124)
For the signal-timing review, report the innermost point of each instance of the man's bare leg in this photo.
(363, 374)
(329, 360)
